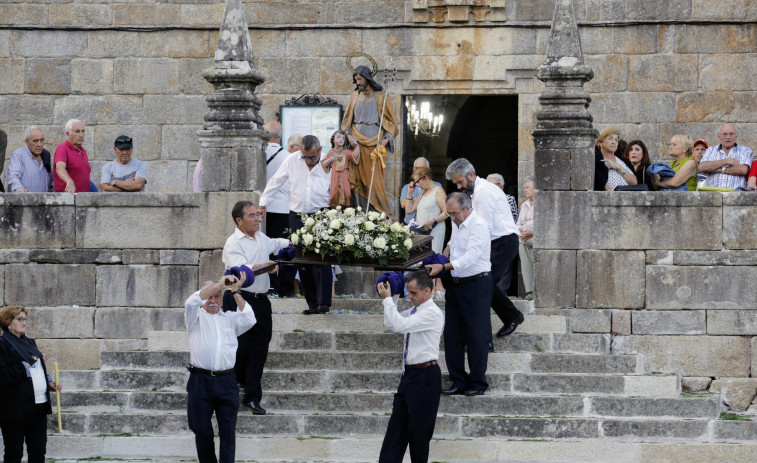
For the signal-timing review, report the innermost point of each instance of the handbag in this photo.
(642, 187)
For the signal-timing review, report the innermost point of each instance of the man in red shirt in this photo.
(71, 173)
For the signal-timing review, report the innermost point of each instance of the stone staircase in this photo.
(554, 396)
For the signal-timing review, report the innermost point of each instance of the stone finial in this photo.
(564, 133)
(234, 42)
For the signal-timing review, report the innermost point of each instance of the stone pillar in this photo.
(564, 136)
(232, 139)
(564, 157)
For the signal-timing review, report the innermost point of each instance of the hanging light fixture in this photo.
(422, 120)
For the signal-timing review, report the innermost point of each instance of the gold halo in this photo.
(357, 54)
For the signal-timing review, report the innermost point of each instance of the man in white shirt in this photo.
(249, 247)
(467, 324)
(728, 163)
(277, 216)
(491, 205)
(212, 385)
(308, 192)
(417, 399)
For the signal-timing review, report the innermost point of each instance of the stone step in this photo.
(381, 361)
(176, 448)
(332, 425)
(177, 341)
(511, 405)
(383, 381)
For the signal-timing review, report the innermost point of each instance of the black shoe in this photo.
(323, 309)
(254, 407)
(454, 390)
(472, 392)
(509, 328)
(491, 347)
(310, 312)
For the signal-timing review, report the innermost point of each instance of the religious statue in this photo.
(367, 131)
(341, 158)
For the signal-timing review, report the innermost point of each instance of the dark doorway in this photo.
(480, 128)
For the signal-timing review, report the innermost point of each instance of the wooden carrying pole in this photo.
(57, 397)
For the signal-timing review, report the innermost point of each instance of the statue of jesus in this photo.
(363, 125)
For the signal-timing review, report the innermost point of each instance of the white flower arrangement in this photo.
(351, 234)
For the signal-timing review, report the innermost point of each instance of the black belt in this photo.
(194, 369)
(256, 295)
(470, 278)
(421, 365)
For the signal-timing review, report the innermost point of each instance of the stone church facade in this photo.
(136, 67)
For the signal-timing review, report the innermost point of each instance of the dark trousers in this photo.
(413, 416)
(252, 351)
(283, 281)
(504, 250)
(317, 280)
(33, 430)
(207, 394)
(467, 329)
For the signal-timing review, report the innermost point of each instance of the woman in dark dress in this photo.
(637, 153)
(24, 390)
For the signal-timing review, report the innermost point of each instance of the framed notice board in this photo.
(320, 121)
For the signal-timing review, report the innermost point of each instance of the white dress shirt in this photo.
(308, 189)
(491, 205)
(213, 337)
(425, 326)
(242, 249)
(281, 198)
(470, 247)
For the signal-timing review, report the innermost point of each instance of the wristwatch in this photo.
(113, 182)
(722, 169)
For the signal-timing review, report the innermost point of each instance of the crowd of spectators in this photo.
(697, 165)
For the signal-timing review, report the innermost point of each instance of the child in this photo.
(341, 157)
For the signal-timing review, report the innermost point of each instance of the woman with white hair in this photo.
(526, 247)
(680, 149)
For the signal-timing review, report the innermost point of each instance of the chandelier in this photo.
(423, 120)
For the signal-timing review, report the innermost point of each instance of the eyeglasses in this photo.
(310, 158)
(454, 214)
(22, 319)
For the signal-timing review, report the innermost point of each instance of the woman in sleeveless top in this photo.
(680, 149)
(430, 207)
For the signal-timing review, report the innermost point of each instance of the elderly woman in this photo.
(24, 389)
(637, 153)
(430, 207)
(680, 149)
(611, 171)
(525, 225)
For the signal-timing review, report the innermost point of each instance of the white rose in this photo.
(295, 238)
(325, 236)
(383, 215)
(395, 227)
(307, 238)
(369, 225)
(408, 243)
(349, 239)
(339, 208)
(349, 212)
(373, 215)
(332, 213)
(309, 222)
(336, 224)
(379, 242)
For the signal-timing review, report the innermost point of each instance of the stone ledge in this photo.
(140, 200)
(39, 199)
(14, 256)
(659, 199)
(75, 256)
(739, 198)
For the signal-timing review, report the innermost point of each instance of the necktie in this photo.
(407, 342)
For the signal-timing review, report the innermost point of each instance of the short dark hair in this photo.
(237, 212)
(460, 198)
(347, 144)
(421, 278)
(309, 142)
(8, 313)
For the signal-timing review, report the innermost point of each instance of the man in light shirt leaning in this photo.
(212, 385)
(251, 248)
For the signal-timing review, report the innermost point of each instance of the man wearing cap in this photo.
(250, 247)
(417, 399)
(124, 173)
(467, 321)
(72, 169)
(728, 163)
(29, 167)
(212, 386)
